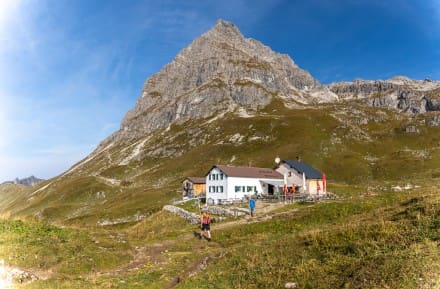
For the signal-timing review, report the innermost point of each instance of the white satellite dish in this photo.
(277, 160)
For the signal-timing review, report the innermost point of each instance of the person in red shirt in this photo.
(205, 224)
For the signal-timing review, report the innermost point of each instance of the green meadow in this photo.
(101, 224)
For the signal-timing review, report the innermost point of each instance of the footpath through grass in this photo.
(388, 240)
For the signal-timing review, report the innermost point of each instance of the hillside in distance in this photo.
(226, 99)
(29, 181)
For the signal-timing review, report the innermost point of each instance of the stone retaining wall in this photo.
(190, 217)
(214, 210)
(233, 212)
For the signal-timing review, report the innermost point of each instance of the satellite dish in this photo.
(277, 160)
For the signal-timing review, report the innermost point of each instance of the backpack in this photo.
(206, 220)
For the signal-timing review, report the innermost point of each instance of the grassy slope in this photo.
(10, 194)
(61, 250)
(388, 240)
(329, 138)
(384, 241)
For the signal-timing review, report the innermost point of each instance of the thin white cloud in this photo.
(14, 15)
(8, 9)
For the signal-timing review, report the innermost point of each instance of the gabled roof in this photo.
(249, 172)
(301, 167)
(196, 180)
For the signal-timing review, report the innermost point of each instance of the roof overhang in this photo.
(277, 183)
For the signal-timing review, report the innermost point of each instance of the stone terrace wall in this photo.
(195, 219)
(190, 217)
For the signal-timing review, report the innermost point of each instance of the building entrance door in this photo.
(270, 189)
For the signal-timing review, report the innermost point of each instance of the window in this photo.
(255, 189)
(237, 189)
(243, 189)
(221, 176)
(209, 176)
(221, 189)
(249, 189)
(209, 188)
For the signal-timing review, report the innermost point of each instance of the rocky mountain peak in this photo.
(219, 72)
(399, 78)
(224, 29)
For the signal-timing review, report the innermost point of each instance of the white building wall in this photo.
(245, 186)
(216, 185)
(293, 178)
(313, 187)
(250, 186)
(297, 179)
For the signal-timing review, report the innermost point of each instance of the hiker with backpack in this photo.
(205, 222)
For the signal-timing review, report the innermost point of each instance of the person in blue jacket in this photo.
(252, 206)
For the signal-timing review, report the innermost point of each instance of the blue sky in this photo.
(70, 70)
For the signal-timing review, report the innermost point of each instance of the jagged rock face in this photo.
(30, 181)
(404, 94)
(220, 71)
(435, 121)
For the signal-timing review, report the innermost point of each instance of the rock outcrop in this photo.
(30, 181)
(221, 71)
(13, 276)
(401, 93)
(435, 121)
